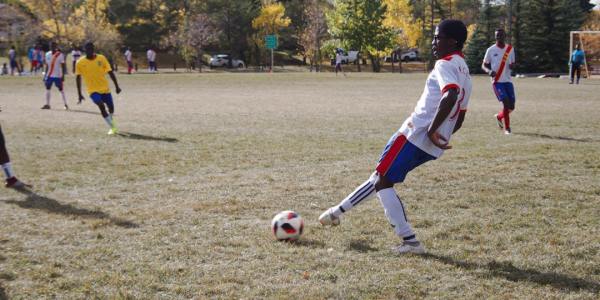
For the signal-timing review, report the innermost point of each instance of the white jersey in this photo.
(12, 54)
(76, 55)
(151, 55)
(128, 55)
(494, 55)
(450, 72)
(338, 58)
(54, 62)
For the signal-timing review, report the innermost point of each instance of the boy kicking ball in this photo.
(424, 136)
(93, 68)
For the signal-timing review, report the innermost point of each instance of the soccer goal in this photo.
(590, 44)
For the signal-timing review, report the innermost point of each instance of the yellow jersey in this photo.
(94, 72)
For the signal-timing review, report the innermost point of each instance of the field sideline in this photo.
(179, 205)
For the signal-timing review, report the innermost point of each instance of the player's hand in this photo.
(81, 98)
(118, 90)
(492, 73)
(438, 140)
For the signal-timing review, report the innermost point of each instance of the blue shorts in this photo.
(505, 92)
(102, 98)
(57, 82)
(400, 157)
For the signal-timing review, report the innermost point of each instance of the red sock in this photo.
(500, 115)
(506, 114)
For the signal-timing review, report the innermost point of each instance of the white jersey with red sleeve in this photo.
(494, 56)
(55, 61)
(450, 72)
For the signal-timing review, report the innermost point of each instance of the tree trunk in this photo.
(375, 63)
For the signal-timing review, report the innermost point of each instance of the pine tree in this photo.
(482, 38)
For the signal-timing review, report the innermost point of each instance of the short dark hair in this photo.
(500, 29)
(455, 29)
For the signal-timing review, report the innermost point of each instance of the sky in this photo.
(597, 2)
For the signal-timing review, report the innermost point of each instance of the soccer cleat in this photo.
(111, 131)
(409, 248)
(66, 107)
(327, 218)
(507, 131)
(46, 106)
(499, 121)
(14, 183)
(114, 125)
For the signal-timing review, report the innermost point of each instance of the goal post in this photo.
(590, 44)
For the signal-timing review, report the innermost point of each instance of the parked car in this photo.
(408, 55)
(347, 57)
(222, 60)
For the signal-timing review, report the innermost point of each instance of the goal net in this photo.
(590, 44)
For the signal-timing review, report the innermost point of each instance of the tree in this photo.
(269, 22)
(359, 25)
(482, 38)
(197, 32)
(313, 32)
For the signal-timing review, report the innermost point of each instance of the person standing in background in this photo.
(577, 59)
(129, 59)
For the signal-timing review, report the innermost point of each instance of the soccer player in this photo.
(12, 57)
(128, 58)
(93, 68)
(11, 179)
(577, 59)
(76, 54)
(151, 55)
(424, 136)
(498, 62)
(338, 62)
(55, 74)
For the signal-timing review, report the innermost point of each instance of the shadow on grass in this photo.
(512, 273)
(309, 243)
(2, 292)
(35, 201)
(135, 136)
(361, 246)
(552, 137)
(84, 111)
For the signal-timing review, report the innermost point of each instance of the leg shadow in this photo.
(84, 111)
(3, 295)
(361, 246)
(512, 273)
(35, 201)
(552, 137)
(135, 136)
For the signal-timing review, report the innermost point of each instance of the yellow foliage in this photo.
(271, 19)
(399, 18)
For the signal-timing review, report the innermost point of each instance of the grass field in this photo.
(179, 205)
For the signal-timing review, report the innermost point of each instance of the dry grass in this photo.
(179, 205)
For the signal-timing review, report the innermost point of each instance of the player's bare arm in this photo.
(446, 104)
(487, 67)
(459, 121)
(78, 81)
(114, 79)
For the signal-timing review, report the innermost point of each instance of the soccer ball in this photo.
(287, 226)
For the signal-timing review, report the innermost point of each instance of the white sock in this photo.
(64, 97)
(8, 171)
(394, 211)
(362, 192)
(48, 97)
(108, 121)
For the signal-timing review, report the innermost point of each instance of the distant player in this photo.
(75, 54)
(12, 58)
(55, 74)
(577, 59)
(338, 61)
(423, 137)
(151, 55)
(498, 62)
(129, 60)
(93, 68)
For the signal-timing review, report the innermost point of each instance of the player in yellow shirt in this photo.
(93, 67)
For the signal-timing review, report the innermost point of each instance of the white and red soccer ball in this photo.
(287, 226)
